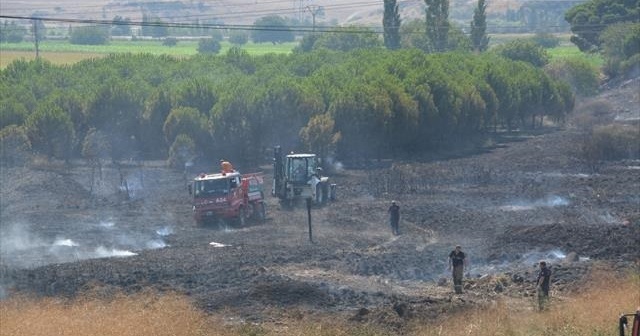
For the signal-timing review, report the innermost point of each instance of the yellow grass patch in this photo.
(141, 314)
(57, 58)
(593, 311)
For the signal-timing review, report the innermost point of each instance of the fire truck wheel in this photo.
(242, 216)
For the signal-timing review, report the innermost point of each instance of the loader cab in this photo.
(300, 167)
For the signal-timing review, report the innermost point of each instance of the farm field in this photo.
(62, 52)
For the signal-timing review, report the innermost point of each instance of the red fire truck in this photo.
(228, 195)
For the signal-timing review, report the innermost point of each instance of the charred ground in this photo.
(530, 197)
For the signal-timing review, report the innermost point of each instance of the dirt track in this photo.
(528, 198)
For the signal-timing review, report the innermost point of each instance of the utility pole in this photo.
(36, 38)
(314, 10)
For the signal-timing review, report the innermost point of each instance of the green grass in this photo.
(62, 52)
(571, 51)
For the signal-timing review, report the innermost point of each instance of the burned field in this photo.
(528, 198)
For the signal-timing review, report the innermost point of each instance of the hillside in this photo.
(334, 12)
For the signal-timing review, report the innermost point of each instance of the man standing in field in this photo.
(394, 217)
(457, 260)
(542, 285)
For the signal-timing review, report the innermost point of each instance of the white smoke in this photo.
(165, 231)
(103, 252)
(18, 238)
(65, 242)
(21, 246)
(547, 202)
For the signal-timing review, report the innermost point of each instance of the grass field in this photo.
(62, 52)
(150, 313)
(570, 51)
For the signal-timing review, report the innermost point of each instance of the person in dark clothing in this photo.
(542, 284)
(394, 217)
(457, 261)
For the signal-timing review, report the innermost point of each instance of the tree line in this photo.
(359, 104)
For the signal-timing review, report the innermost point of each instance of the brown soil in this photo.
(529, 197)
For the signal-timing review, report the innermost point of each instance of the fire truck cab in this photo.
(227, 195)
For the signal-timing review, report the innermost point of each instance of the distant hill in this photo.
(327, 12)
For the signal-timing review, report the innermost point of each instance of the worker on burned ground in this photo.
(394, 217)
(457, 261)
(542, 285)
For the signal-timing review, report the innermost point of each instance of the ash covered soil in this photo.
(529, 197)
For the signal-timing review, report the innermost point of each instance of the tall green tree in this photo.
(319, 135)
(15, 147)
(120, 26)
(391, 23)
(272, 29)
(187, 120)
(437, 23)
(116, 109)
(479, 38)
(50, 131)
(588, 20)
(347, 39)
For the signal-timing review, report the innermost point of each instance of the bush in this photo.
(612, 142)
(12, 112)
(170, 41)
(239, 37)
(524, 50)
(577, 72)
(546, 40)
(592, 114)
(12, 33)
(15, 147)
(89, 35)
(208, 46)
(181, 151)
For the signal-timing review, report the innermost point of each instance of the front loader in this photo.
(297, 177)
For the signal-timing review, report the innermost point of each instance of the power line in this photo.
(297, 28)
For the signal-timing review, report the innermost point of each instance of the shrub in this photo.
(12, 112)
(239, 37)
(170, 41)
(89, 35)
(50, 131)
(208, 45)
(577, 72)
(181, 151)
(612, 142)
(592, 114)
(546, 40)
(15, 147)
(524, 50)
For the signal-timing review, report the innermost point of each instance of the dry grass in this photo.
(57, 58)
(591, 312)
(142, 314)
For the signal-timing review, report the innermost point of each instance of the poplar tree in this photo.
(479, 38)
(437, 23)
(391, 22)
